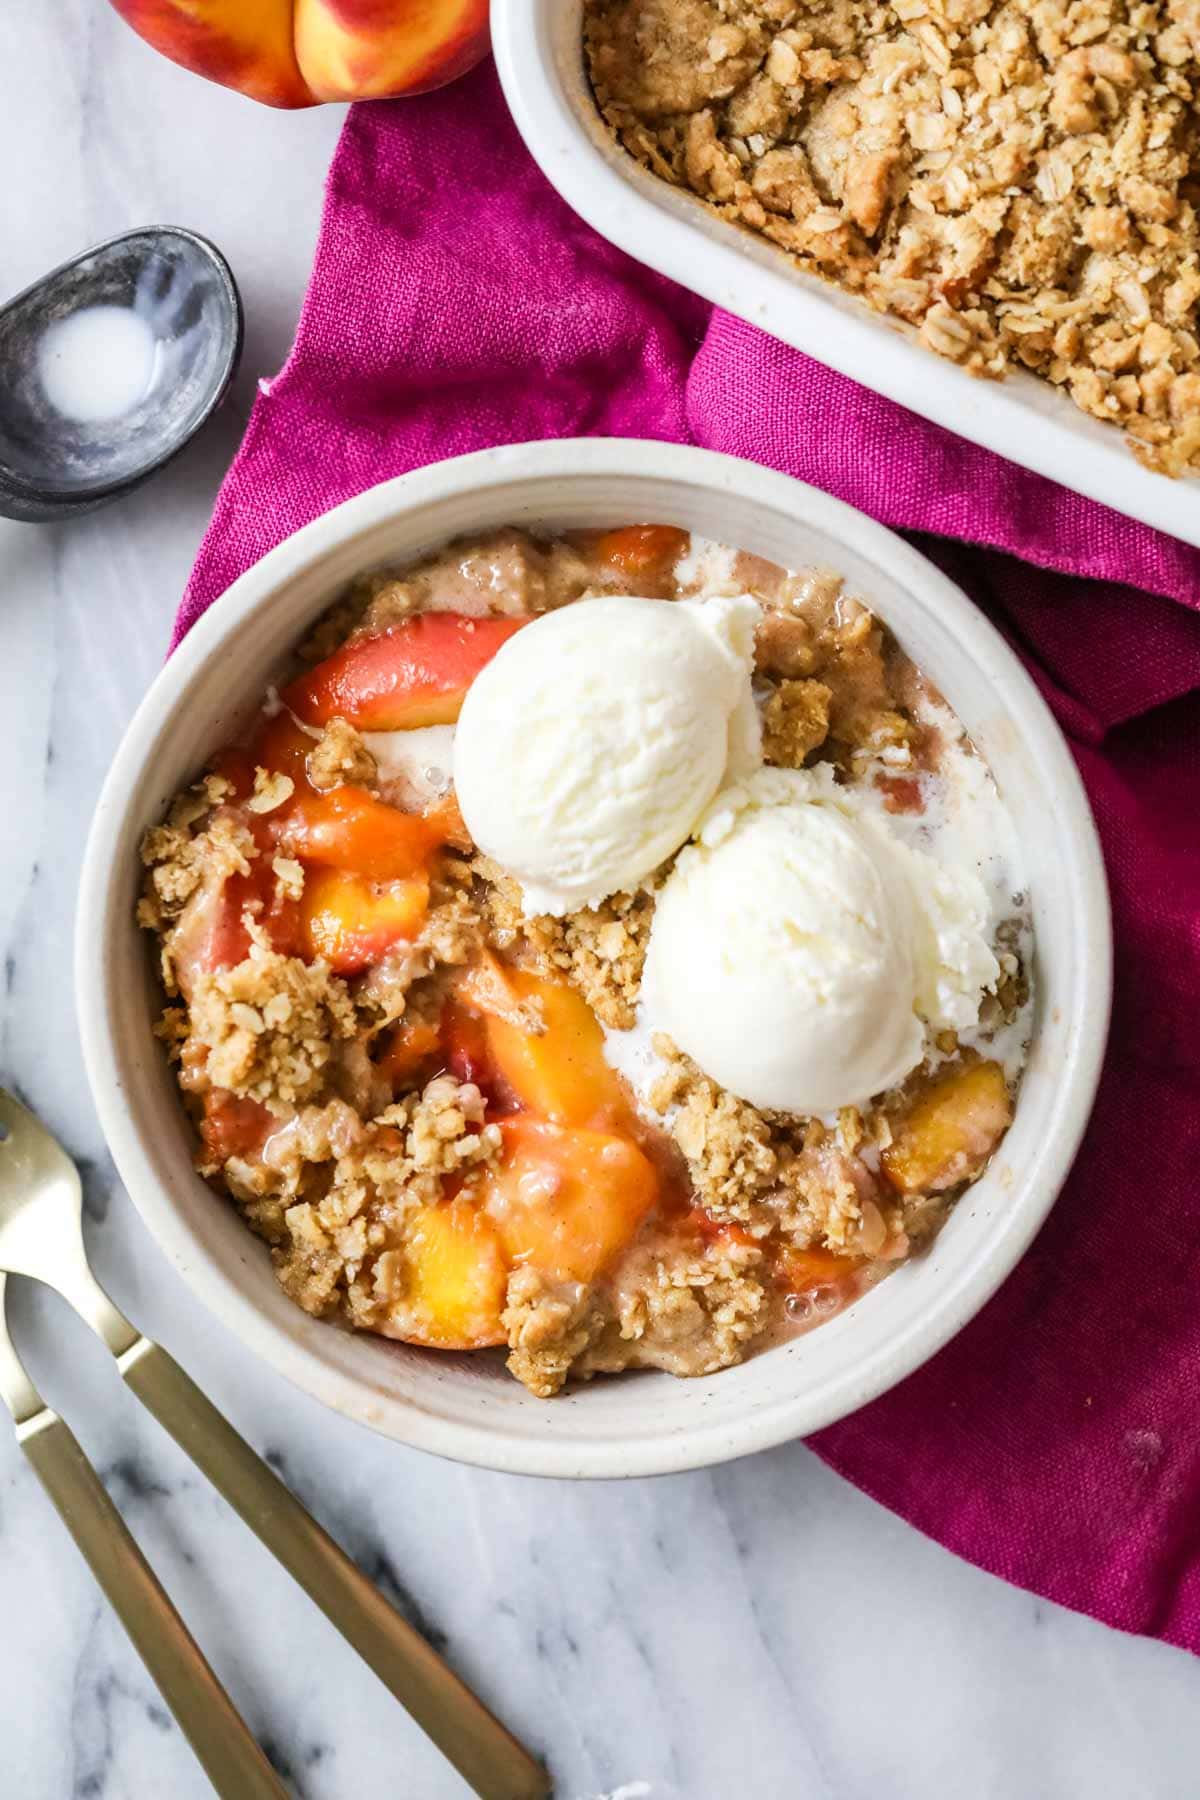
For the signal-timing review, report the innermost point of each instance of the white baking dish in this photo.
(539, 55)
(466, 1406)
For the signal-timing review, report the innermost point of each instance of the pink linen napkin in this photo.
(456, 303)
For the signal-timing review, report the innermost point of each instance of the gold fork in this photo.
(41, 1236)
(217, 1733)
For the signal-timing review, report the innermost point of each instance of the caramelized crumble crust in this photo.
(1013, 178)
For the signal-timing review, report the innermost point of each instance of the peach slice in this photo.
(641, 549)
(351, 922)
(445, 820)
(802, 1270)
(464, 1042)
(567, 1201)
(950, 1130)
(233, 1126)
(283, 746)
(560, 1073)
(211, 932)
(279, 745)
(723, 1232)
(412, 1047)
(456, 1277)
(350, 829)
(416, 674)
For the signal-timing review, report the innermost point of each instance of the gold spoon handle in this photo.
(487, 1756)
(207, 1717)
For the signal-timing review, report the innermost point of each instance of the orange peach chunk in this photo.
(416, 674)
(567, 1201)
(455, 1276)
(350, 829)
(802, 1270)
(950, 1130)
(351, 922)
(642, 550)
(559, 1073)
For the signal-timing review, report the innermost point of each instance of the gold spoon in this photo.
(41, 1236)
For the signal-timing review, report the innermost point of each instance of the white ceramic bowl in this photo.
(468, 1407)
(539, 56)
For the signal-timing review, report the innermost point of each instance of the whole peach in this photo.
(300, 52)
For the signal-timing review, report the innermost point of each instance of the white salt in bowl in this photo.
(466, 1406)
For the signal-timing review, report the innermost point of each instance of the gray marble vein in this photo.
(761, 1632)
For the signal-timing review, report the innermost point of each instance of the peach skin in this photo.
(377, 49)
(300, 52)
(243, 44)
(415, 674)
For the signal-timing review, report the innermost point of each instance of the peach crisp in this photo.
(459, 1120)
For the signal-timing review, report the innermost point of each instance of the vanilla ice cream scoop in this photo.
(799, 949)
(589, 746)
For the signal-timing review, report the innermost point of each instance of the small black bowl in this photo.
(53, 466)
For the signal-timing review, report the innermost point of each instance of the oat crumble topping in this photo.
(340, 756)
(1012, 178)
(268, 1026)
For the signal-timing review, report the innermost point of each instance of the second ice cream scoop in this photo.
(799, 950)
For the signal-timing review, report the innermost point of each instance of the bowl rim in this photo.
(102, 907)
(86, 495)
(1022, 418)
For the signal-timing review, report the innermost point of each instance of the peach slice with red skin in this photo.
(233, 1126)
(415, 674)
(455, 1278)
(723, 1232)
(282, 746)
(464, 1043)
(278, 745)
(567, 1201)
(352, 922)
(950, 1130)
(212, 934)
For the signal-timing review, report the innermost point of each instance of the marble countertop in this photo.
(756, 1632)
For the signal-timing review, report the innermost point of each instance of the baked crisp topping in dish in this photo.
(605, 947)
(1013, 178)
